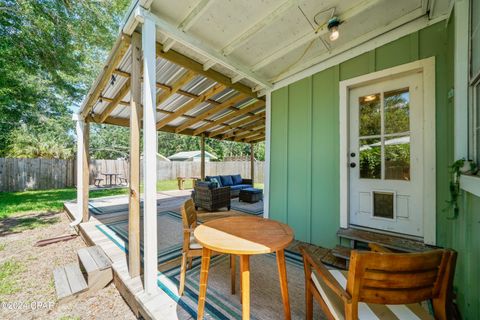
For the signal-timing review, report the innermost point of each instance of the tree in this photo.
(50, 51)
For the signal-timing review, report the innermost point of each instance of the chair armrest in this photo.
(375, 247)
(326, 276)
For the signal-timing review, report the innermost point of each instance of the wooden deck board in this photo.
(389, 241)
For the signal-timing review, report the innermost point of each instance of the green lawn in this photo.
(14, 203)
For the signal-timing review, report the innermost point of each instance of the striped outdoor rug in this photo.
(266, 301)
(169, 225)
(251, 208)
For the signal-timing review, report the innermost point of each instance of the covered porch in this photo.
(316, 82)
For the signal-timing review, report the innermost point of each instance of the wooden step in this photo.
(69, 281)
(388, 241)
(96, 267)
(342, 252)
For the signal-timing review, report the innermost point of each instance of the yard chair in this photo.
(382, 285)
(191, 248)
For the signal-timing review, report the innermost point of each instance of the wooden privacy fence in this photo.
(36, 174)
(42, 174)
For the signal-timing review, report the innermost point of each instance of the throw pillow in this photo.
(226, 181)
(237, 179)
(215, 182)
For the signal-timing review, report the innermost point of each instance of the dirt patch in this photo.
(28, 291)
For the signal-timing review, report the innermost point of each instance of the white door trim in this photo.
(427, 67)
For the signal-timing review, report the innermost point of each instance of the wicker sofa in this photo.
(208, 196)
(235, 182)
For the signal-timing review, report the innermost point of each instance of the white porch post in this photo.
(149, 157)
(82, 129)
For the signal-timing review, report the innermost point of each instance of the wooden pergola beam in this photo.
(184, 79)
(243, 131)
(233, 126)
(116, 55)
(218, 108)
(216, 89)
(115, 101)
(256, 140)
(193, 65)
(134, 259)
(250, 136)
(230, 116)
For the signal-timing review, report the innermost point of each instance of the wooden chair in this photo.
(191, 248)
(382, 284)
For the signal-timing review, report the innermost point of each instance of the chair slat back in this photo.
(396, 278)
(189, 214)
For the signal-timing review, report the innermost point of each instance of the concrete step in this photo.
(96, 267)
(69, 282)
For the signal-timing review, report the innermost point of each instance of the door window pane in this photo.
(397, 158)
(397, 111)
(369, 115)
(383, 204)
(370, 158)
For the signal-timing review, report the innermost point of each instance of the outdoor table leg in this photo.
(245, 280)
(232, 273)
(282, 272)
(202, 294)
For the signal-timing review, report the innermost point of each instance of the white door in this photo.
(386, 155)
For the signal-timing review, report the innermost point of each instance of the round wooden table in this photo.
(243, 236)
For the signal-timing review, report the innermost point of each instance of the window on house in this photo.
(475, 71)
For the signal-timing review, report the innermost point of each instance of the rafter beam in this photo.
(310, 35)
(186, 78)
(233, 126)
(193, 65)
(116, 55)
(222, 106)
(201, 48)
(216, 89)
(259, 124)
(188, 21)
(256, 140)
(253, 136)
(229, 116)
(262, 23)
(115, 101)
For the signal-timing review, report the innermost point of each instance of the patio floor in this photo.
(105, 230)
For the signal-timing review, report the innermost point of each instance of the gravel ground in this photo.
(32, 292)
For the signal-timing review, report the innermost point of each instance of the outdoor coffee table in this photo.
(243, 236)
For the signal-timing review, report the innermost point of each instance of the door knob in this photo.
(353, 164)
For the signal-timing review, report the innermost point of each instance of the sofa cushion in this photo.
(219, 181)
(252, 190)
(240, 187)
(237, 179)
(226, 181)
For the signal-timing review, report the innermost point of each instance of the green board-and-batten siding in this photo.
(304, 153)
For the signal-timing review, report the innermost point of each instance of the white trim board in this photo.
(266, 178)
(358, 48)
(471, 184)
(427, 67)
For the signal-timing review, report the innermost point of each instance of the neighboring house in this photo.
(160, 158)
(194, 156)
